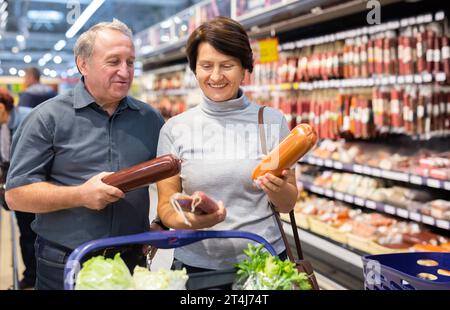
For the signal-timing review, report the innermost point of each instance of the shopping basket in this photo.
(163, 240)
(407, 271)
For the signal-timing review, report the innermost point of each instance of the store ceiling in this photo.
(31, 28)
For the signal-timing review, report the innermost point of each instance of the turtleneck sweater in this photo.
(219, 145)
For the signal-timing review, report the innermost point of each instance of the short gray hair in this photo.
(84, 47)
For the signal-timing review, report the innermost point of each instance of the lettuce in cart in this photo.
(262, 271)
(100, 273)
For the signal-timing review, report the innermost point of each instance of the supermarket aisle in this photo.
(6, 271)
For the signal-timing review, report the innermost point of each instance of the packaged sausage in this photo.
(299, 141)
(143, 174)
(197, 203)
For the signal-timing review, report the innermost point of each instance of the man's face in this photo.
(109, 72)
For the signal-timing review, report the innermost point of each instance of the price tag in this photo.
(358, 168)
(311, 160)
(328, 163)
(409, 79)
(319, 162)
(389, 209)
(447, 185)
(433, 183)
(268, 50)
(376, 172)
(371, 204)
(417, 79)
(367, 170)
(392, 79)
(440, 77)
(400, 80)
(439, 16)
(415, 179)
(427, 77)
(415, 216)
(338, 165)
(329, 193)
(427, 220)
(403, 213)
(359, 201)
(339, 196)
(443, 224)
(348, 198)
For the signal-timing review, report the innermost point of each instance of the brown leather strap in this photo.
(262, 135)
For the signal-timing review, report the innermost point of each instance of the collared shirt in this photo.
(67, 140)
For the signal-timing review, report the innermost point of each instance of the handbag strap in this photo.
(262, 138)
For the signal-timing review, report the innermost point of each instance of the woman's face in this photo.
(218, 75)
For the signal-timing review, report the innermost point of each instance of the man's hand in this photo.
(96, 195)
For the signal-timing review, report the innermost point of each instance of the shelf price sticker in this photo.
(428, 220)
(268, 50)
(371, 204)
(402, 213)
(376, 172)
(367, 170)
(358, 168)
(339, 196)
(311, 160)
(447, 185)
(348, 198)
(415, 179)
(389, 209)
(329, 193)
(319, 162)
(415, 216)
(433, 183)
(443, 224)
(338, 165)
(328, 163)
(359, 201)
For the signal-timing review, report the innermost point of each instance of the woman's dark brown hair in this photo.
(6, 99)
(225, 35)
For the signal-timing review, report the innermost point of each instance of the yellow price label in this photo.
(268, 50)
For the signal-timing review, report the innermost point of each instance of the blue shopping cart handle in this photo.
(162, 240)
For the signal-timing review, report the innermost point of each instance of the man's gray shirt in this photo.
(67, 140)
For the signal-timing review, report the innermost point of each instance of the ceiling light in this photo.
(12, 71)
(27, 59)
(47, 57)
(15, 50)
(46, 71)
(166, 24)
(57, 59)
(3, 6)
(60, 45)
(4, 16)
(87, 13)
(45, 16)
(41, 62)
(20, 38)
(53, 73)
(21, 73)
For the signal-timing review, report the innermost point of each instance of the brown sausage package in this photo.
(197, 203)
(143, 174)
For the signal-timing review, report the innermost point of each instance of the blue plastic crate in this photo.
(400, 271)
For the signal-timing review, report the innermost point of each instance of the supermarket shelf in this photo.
(326, 246)
(346, 83)
(379, 173)
(374, 205)
(352, 33)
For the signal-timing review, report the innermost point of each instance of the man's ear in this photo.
(81, 65)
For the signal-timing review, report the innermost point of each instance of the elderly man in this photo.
(67, 145)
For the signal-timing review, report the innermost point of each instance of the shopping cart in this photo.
(164, 240)
(407, 271)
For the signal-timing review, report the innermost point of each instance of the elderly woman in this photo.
(218, 141)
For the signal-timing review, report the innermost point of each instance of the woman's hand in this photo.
(199, 221)
(282, 191)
